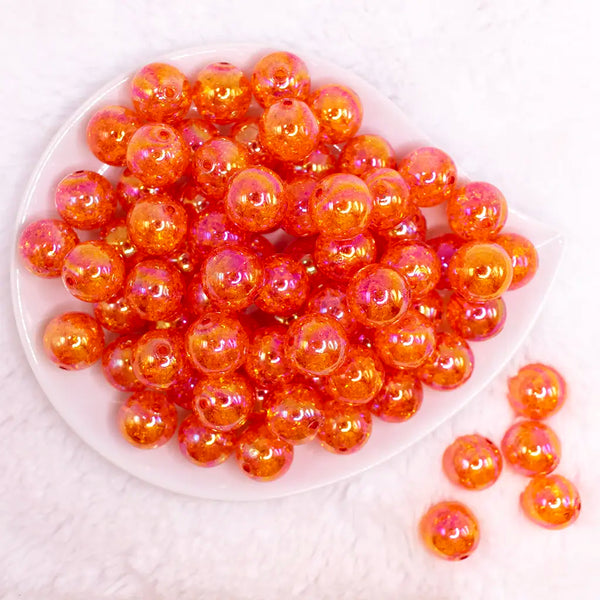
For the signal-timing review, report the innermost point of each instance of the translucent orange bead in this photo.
(73, 341)
(181, 392)
(551, 501)
(331, 301)
(85, 200)
(155, 289)
(184, 259)
(365, 152)
(196, 132)
(223, 403)
(202, 446)
(537, 391)
(450, 530)
(316, 345)
(477, 211)
(407, 342)
(44, 245)
(196, 300)
(413, 227)
(445, 246)
(391, 198)
(222, 93)
(340, 259)
(450, 365)
(431, 175)
(473, 462)
(418, 263)
(531, 448)
(261, 246)
(157, 154)
(302, 250)
(293, 413)
(523, 255)
(400, 397)
(280, 75)
(159, 358)
(297, 220)
(147, 419)
(339, 112)
(476, 321)
(192, 199)
(93, 271)
(319, 163)
(116, 235)
(266, 363)
(109, 131)
(212, 230)
(480, 271)
(131, 190)
(117, 365)
(161, 92)
(118, 315)
(215, 162)
(377, 295)
(346, 428)
(246, 134)
(431, 306)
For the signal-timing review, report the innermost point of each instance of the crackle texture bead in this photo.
(159, 358)
(147, 419)
(196, 132)
(551, 501)
(346, 428)
(73, 341)
(431, 306)
(115, 234)
(212, 230)
(450, 365)
(476, 321)
(391, 198)
(328, 300)
(118, 315)
(340, 259)
(117, 365)
(297, 220)
(400, 397)
(246, 134)
(531, 448)
(266, 363)
(85, 200)
(445, 246)
(413, 227)
(450, 530)
(338, 110)
(280, 75)
(109, 132)
(319, 163)
(285, 286)
(44, 245)
(473, 462)
(523, 255)
(130, 190)
(203, 446)
(365, 152)
(431, 175)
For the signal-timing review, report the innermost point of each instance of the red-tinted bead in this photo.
(203, 446)
(340, 259)
(297, 220)
(131, 190)
(365, 152)
(261, 246)
(118, 315)
(212, 230)
(450, 365)
(445, 246)
(431, 306)
(551, 501)
(246, 134)
(159, 358)
(346, 428)
(400, 397)
(117, 365)
(338, 110)
(196, 300)
(192, 199)
(413, 227)
(523, 255)
(476, 321)
(266, 363)
(196, 132)
(332, 301)
(182, 391)
(319, 163)
(391, 198)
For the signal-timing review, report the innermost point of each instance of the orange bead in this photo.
(450, 365)
(551, 501)
(417, 263)
(431, 306)
(339, 112)
(202, 446)
(196, 300)
(181, 392)
(85, 200)
(192, 199)
(377, 295)
(531, 448)
(365, 152)
(319, 163)
(266, 363)
(473, 462)
(477, 211)
(222, 93)
(158, 155)
(293, 413)
(340, 259)
(537, 391)
(400, 397)
(302, 250)
(161, 92)
(480, 271)
(44, 245)
(116, 235)
(297, 220)
(147, 419)
(523, 255)
(346, 428)
(117, 365)
(246, 134)
(316, 345)
(430, 174)
(184, 259)
(476, 321)
(445, 246)
(159, 358)
(196, 132)
(109, 131)
(413, 227)
(93, 271)
(130, 190)
(212, 230)
(73, 341)
(280, 75)
(331, 301)
(391, 198)
(118, 315)
(450, 530)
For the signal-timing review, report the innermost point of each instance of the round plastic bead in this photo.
(192, 199)
(202, 446)
(117, 365)
(196, 300)
(246, 134)
(365, 152)
(303, 250)
(266, 363)
(118, 315)
(212, 230)
(339, 112)
(476, 321)
(551, 501)
(450, 531)
(109, 132)
(413, 227)
(280, 75)
(445, 246)
(431, 175)
(44, 245)
(147, 419)
(73, 341)
(159, 358)
(523, 255)
(181, 392)
(319, 163)
(130, 190)
(85, 200)
(450, 365)
(115, 234)
(431, 306)
(391, 198)
(346, 428)
(400, 397)
(184, 259)
(480, 271)
(196, 132)
(340, 259)
(473, 462)
(327, 300)
(297, 220)
(531, 448)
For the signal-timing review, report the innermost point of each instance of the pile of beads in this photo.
(262, 340)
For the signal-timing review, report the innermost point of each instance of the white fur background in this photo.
(511, 90)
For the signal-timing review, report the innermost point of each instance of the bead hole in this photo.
(163, 134)
(287, 102)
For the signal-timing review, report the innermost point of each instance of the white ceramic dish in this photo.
(88, 404)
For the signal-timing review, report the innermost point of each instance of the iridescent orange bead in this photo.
(196, 300)
(400, 397)
(44, 245)
(476, 321)
(431, 175)
(117, 365)
(473, 462)
(297, 220)
(212, 230)
(202, 446)
(280, 75)
(85, 200)
(109, 131)
(302, 250)
(181, 392)
(73, 341)
(192, 199)
(346, 428)
(222, 93)
(391, 198)
(131, 190)
(93, 271)
(551, 501)
(523, 255)
(158, 155)
(413, 227)
(431, 306)
(266, 363)
(531, 448)
(118, 315)
(445, 246)
(450, 530)
(196, 132)
(340, 259)
(339, 112)
(319, 163)
(159, 358)
(365, 152)
(327, 300)
(246, 134)
(377, 295)
(147, 419)
(115, 234)
(161, 92)
(450, 365)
